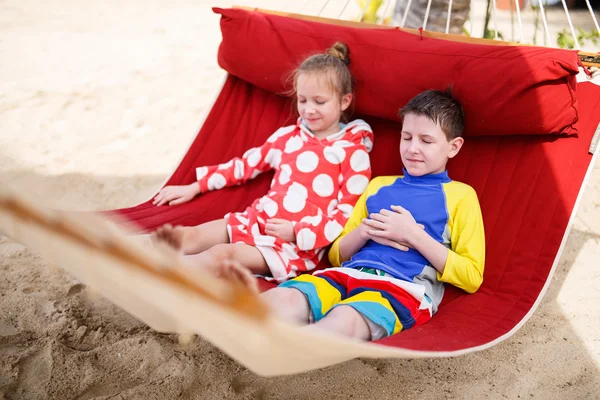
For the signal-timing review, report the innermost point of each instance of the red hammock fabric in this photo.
(527, 186)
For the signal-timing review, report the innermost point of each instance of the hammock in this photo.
(529, 130)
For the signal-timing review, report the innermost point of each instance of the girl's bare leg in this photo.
(193, 239)
(225, 259)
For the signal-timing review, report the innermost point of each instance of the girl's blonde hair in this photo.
(334, 63)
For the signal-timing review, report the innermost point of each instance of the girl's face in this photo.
(318, 104)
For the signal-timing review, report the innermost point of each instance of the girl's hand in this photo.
(280, 228)
(173, 195)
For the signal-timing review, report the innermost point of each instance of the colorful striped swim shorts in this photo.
(389, 305)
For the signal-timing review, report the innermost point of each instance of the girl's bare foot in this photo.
(170, 235)
(235, 272)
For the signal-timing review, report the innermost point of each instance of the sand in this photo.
(98, 102)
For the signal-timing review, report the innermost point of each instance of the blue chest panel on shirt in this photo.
(425, 199)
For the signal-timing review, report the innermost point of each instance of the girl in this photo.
(321, 168)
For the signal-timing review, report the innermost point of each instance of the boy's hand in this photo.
(173, 195)
(397, 226)
(364, 231)
(280, 228)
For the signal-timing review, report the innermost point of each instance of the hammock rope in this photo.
(408, 4)
(520, 21)
(495, 19)
(544, 22)
(593, 15)
(364, 10)
(449, 15)
(343, 9)
(426, 14)
(577, 45)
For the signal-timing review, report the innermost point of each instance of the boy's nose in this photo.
(414, 148)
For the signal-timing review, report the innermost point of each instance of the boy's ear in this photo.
(346, 101)
(455, 146)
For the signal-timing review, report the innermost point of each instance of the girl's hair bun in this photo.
(340, 50)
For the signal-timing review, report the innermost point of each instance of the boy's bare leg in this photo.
(192, 239)
(288, 304)
(345, 320)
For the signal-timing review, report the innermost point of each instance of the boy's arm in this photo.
(465, 262)
(350, 240)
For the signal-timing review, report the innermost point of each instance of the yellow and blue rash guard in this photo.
(451, 214)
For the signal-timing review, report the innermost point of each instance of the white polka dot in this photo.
(253, 156)
(229, 231)
(297, 189)
(293, 203)
(280, 132)
(242, 220)
(309, 265)
(346, 209)
(323, 185)
(285, 174)
(269, 206)
(242, 228)
(260, 220)
(334, 155)
(357, 184)
(226, 165)
(295, 198)
(255, 230)
(307, 161)
(340, 178)
(360, 161)
(289, 251)
(332, 230)
(273, 158)
(343, 143)
(293, 144)
(306, 239)
(314, 220)
(238, 169)
(201, 172)
(368, 143)
(331, 207)
(264, 240)
(255, 173)
(340, 195)
(216, 182)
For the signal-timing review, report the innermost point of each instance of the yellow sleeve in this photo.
(358, 213)
(466, 257)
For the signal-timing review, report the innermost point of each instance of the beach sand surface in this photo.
(98, 102)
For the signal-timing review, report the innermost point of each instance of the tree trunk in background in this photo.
(438, 14)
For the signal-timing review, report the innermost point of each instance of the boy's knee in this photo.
(353, 322)
(285, 297)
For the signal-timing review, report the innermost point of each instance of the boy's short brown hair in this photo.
(440, 107)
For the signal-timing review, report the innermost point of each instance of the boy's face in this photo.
(424, 148)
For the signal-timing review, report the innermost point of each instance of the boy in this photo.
(407, 236)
